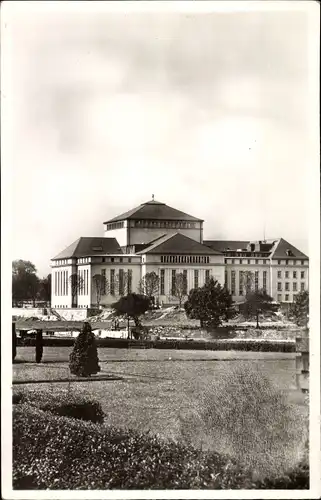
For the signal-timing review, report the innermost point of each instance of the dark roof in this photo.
(178, 244)
(280, 251)
(90, 246)
(154, 210)
(222, 245)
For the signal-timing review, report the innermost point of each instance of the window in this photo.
(120, 259)
(129, 280)
(196, 278)
(302, 275)
(256, 280)
(112, 282)
(207, 275)
(302, 262)
(264, 280)
(286, 297)
(279, 274)
(162, 282)
(248, 261)
(112, 259)
(302, 287)
(173, 282)
(241, 283)
(287, 286)
(294, 262)
(279, 297)
(103, 273)
(233, 282)
(256, 261)
(286, 262)
(225, 261)
(279, 262)
(233, 261)
(287, 274)
(279, 287)
(129, 260)
(241, 261)
(185, 281)
(226, 278)
(295, 287)
(121, 282)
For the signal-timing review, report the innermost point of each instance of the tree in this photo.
(76, 284)
(45, 289)
(299, 310)
(122, 283)
(83, 360)
(149, 285)
(247, 281)
(132, 305)
(210, 304)
(100, 285)
(25, 282)
(180, 288)
(258, 302)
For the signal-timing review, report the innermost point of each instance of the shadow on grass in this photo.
(106, 378)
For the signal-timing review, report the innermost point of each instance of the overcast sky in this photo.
(207, 111)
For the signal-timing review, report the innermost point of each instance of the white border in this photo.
(312, 9)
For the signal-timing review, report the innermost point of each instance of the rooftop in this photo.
(178, 244)
(155, 210)
(90, 246)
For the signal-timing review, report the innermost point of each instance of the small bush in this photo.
(84, 357)
(17, 398)
(63, 403)
(54, 452)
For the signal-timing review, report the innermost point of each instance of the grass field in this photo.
(157, 386)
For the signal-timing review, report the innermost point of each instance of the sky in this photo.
(208, 111)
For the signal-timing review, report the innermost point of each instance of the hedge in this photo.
(55, 452)
(213, 345)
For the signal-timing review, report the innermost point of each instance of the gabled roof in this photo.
(178, 244)
(281, 248)
(89, 247)
(221, 245)
(154, 210)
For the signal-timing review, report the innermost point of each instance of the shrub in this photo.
(63, 403)
(84, 357)
(250, 419)
(14, 342)
(16, 398)
(54, 452)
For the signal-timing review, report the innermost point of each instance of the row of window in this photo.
(122, 282)
(167, 224)
(83, 281)
(121, 260)
(245, 254)
(61, 262)
(185, 259)
(291, 262)
(294, 286)
(295, 274)
(181, 287)
(246, 261)
(84, 260)
(245, 282)
(287, 297)
(114, 225)
(61, 282)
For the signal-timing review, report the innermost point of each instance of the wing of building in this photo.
(156, 238)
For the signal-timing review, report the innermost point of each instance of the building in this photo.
(156, 237)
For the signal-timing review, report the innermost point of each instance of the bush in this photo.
(84, 357)
(63, 403)
(249, 418)
(54, 452)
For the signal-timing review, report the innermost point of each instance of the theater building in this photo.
(156, 237)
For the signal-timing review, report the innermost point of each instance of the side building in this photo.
(157, 238)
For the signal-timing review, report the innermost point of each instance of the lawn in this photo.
(157, 386)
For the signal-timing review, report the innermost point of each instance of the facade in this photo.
(156, 237)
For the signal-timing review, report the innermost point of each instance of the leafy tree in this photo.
(76, 284)
(299, 310)
(45, 289)
(149, 285)
(180, 288)
(83, 360)
(210, 304)
(258, 302)
(25, 282)
(100, 285)
(133, 306)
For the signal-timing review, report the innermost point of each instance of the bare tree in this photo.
(101, 287)
(247, 282)
(76, 285)
(180, 288)
(149, 285)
